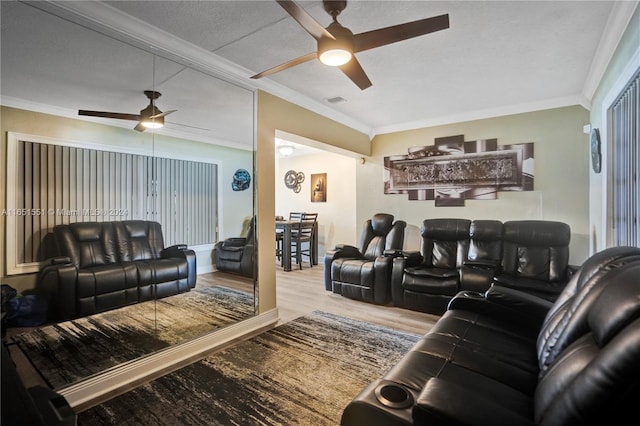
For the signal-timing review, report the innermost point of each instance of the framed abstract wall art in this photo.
(319, 188)
(454, 170)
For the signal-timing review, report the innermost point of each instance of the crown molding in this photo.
(189, 134)
(617, 23)
(484, 114)
(114, 23)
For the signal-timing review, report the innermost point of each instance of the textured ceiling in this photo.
(497, 57)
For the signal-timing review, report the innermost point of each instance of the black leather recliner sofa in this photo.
(462, 254)
(507, 357)
(106, 265)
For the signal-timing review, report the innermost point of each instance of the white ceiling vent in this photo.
(336, 100)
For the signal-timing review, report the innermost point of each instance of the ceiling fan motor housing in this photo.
(343, 40)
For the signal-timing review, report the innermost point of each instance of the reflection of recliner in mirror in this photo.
(236, 254)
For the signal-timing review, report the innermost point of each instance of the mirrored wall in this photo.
(99, 165)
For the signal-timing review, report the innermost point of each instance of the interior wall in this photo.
(228, 160)
(336, 216)
(275, 114)
(561, 183)
(624, 63)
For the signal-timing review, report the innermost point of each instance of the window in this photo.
(625, 132)
(54, 183)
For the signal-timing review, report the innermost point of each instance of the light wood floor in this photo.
(300, 292)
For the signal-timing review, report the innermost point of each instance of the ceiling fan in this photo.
(337, 44)
(149, 118)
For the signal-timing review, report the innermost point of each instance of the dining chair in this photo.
(302, 238)
(293, 216)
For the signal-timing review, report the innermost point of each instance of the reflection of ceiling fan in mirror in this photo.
(149, 118)
(337, 45)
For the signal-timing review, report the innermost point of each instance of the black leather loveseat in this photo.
(105, 265)
(509, 358)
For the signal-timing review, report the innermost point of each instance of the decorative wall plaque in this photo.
(452, 170)
(241, 180)
(293, 179)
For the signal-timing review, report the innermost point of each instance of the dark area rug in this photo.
(303, 372)
(66, 352)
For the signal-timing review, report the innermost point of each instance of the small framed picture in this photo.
(319, 188)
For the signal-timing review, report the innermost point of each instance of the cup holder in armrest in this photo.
(393, 395)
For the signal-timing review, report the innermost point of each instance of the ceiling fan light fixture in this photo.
(335, 57)
(151, 117)
(152, 123)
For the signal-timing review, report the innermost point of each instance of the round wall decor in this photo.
(293, 179)
(596, 155)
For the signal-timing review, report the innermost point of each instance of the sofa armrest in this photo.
(177, 250)
(247, 261)
(476, 277)
(234, 242)
(382, 279)
(549, 289)
(58, 281)
(519, 301)
(340, 250)
(505, 304)
(181, 250)
(444, 402)
(345, 250)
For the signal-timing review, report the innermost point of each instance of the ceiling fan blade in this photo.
(139, 127)
(118, 115)
(354, 71)
(162, 114)
(383, 36)
(305, 20)
(291, 63)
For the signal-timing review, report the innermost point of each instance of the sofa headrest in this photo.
(381, 224)
(139, 240)
(87, 244)
(485, 230)
(446, 229)
(618, 305)
(86, 231)
(540, 233)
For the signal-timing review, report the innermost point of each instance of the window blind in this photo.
(62, 184)
(625, 120)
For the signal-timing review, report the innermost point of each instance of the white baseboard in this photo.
(205, 269)
(122, 378)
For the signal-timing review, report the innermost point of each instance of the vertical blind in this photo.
(61, 184)
(625, 121)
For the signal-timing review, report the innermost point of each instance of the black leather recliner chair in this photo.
(428, 280)
(236, 254)
(364, 272)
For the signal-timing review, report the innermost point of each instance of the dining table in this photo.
(286, 226)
